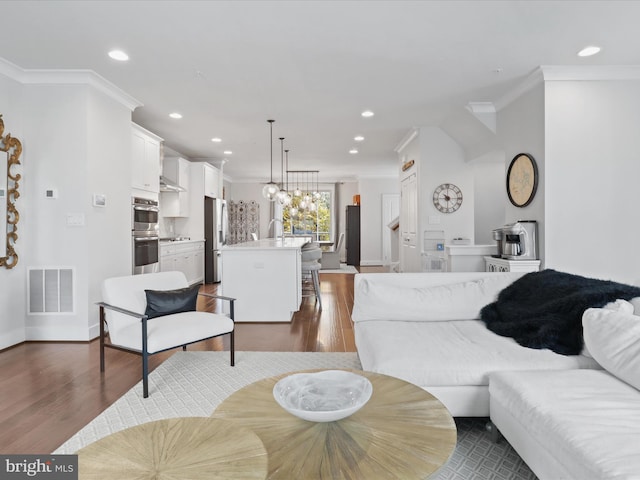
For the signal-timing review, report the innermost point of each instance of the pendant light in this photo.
(287, 198)
(293, 210)
(297, 192)
(316, 193)
(312, 205)
(281, 196)
(270, 190)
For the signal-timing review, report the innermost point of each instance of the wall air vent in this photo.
(50, 290)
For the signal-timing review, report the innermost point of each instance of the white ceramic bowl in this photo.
(323, 396)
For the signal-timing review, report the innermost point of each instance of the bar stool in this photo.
(311, 255)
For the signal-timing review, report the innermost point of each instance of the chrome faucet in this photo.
(281, 224)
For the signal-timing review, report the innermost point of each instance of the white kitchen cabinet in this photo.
(264, 277)
(175, 204)
(186, 257)
(205, 180)
(145, 159)
(212, 182)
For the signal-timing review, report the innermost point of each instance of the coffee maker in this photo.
(517, 241)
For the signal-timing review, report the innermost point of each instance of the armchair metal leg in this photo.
(145, 374)
(145, 360)
(102, 338)
(232, 348)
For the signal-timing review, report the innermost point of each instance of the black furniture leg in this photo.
(101, 338)
(145, 360)
(232, 346)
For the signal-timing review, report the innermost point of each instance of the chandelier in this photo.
(305, 192)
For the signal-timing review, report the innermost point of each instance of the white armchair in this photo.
(151, 313)
(331, 258)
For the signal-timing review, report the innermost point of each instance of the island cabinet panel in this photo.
(265, 278)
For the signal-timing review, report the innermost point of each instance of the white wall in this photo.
(521, 129)
(79, 144)
(75, 139)
(442, 160)
(592, 173)
(371, 191)
(489, 197)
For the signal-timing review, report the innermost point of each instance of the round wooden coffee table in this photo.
(402, 432)
(189, 448)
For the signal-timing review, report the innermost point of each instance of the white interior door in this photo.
(409, 253)
(390, 238)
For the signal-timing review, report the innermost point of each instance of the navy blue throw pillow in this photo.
(166, 302)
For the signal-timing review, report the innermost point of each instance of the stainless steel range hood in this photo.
(167, 185)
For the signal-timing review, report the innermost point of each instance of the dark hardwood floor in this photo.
(49, 391)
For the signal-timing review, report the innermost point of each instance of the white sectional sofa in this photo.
(569, 417)
(424, 328)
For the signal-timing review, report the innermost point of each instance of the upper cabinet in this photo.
(145, 159)
(176, 204)
(212, 182)
(205, 180)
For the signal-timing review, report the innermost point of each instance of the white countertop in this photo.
(269, 243)
(180, 242)
(471, 249)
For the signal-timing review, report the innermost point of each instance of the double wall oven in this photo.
(144, 235)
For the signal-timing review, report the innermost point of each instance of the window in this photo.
(317, 223)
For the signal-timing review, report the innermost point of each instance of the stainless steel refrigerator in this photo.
(216, 228)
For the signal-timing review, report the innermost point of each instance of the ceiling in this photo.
(313, 66)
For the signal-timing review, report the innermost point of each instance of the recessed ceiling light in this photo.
(119, 55)
(358, 138)
(227, 152)
(588, 51)
(175, 115)
(216, 140)
(367, 113)
(353, 151)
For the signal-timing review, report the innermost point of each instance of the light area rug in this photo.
(343, 269)
(195, 383)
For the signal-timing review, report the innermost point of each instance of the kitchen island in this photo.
(264, 276)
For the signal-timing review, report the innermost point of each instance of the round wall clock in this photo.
(447, 198)
(522, 180)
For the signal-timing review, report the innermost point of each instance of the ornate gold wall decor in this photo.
(13, 147)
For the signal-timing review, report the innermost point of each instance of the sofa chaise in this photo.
(579, 424)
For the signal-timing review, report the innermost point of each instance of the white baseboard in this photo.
(14, 337)
(371, 263)
(57, 334)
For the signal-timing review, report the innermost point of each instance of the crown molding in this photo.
(410, 135)
(533, 79)
(570, 73)
(554, 73)
(68, 77)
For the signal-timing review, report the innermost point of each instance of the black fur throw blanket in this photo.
(544, 309)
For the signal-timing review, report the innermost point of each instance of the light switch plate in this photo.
(75, 219)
